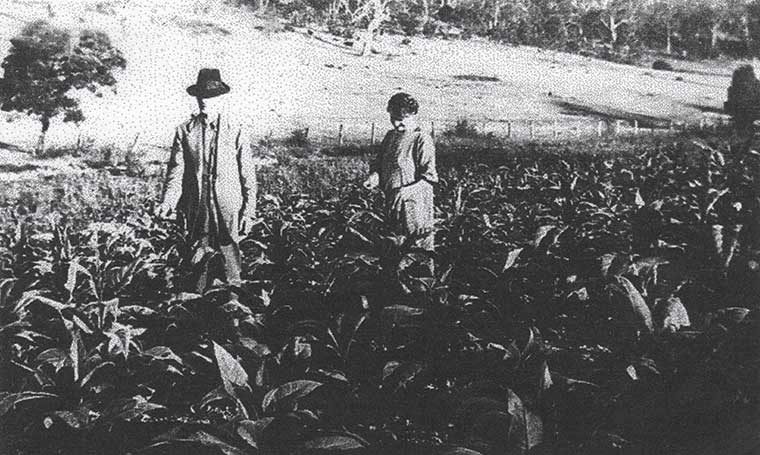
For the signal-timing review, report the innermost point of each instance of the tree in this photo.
(43, 67)
(374, 12)
(725, 20)
(658, 23)
(616, 13)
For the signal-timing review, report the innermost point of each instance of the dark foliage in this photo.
(662, 65)
(743, 101)
(43, 66)
(581, 304)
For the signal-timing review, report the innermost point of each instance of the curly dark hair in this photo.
(403, 103)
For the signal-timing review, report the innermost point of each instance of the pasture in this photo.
(284, 80)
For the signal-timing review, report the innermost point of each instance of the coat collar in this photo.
(203, 118)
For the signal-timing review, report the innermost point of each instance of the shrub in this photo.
(463, 128)
(298, 138)
(118, 161)
(408, 21)
(743, 98)
(662, 65)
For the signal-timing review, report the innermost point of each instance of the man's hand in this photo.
(165, 212)
(372, 181)
(246, 224)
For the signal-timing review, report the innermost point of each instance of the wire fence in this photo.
(356, 132)
(353, 131)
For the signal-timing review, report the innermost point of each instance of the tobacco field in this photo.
(583, 303)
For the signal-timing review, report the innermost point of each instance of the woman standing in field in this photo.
(405, 171)
(211, 183)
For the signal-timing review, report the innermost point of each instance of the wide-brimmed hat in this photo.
(209, 84)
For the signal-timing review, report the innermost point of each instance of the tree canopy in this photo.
(690, 28)
(44, 66)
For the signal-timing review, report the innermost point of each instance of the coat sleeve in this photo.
(175, 171)
(247, 169)
(376, 163)
(425, 159)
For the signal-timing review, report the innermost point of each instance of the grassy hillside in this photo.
(286, 80)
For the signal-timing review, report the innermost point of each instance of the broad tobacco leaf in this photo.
(162, 353)
(76, 269)
(252, 431)
(230, 370)
(402, 315)
(200, 439)
(398, 375)
(337, 443)
(542, 232)
(631, 304)
(671, 315)
(511, 259)
(286, 396)
(460, 451)
(9, 401)
(129, 409)
(526, 429)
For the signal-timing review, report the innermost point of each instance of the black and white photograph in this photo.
(379, 227)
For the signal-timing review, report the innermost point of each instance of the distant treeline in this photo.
(613, 29)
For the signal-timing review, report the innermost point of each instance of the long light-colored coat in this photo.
(406, 165)
(232, 181)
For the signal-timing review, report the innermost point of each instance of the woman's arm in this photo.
(376, 164)
(425, 159)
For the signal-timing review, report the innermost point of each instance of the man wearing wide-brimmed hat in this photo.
(211, 182)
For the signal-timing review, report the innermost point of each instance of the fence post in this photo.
(432, 129)
(340, 135)
(670, 126)
(599, 127)
(530, 125)
(509, 130)
(555, 133)
(635, 127)
(372, 135)
(131, 149)
(306, 133)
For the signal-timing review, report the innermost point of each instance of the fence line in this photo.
(349, 130)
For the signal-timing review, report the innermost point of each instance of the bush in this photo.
(115, 160)
(298, 138)
(662, 65)
(405, 17)
(743, 102)
(464, 129)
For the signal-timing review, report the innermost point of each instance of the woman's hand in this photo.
(372, 181)
(165, 212)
